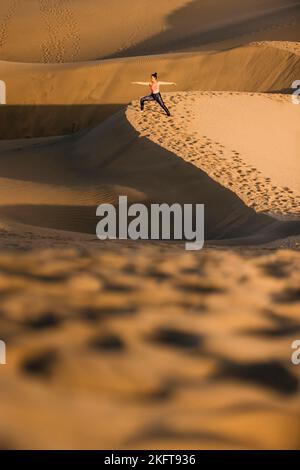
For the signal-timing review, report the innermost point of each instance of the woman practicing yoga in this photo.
(155, 94)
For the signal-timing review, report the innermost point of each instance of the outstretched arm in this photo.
(140, 83)
(167, 83)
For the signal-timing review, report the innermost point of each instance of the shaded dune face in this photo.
(94, 167)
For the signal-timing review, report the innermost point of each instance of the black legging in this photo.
(155, 97)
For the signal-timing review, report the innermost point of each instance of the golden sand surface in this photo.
(143, 345)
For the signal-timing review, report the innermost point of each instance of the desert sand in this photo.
(140, 345)
(75, 30)
(56, 99)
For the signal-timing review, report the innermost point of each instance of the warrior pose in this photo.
(155, 93)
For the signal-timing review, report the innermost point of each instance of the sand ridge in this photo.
(186, 135)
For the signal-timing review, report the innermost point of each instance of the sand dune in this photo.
(283, 45)
(64, 98)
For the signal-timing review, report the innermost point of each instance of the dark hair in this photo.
(154, 75)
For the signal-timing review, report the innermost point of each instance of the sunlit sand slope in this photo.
(134, 154)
